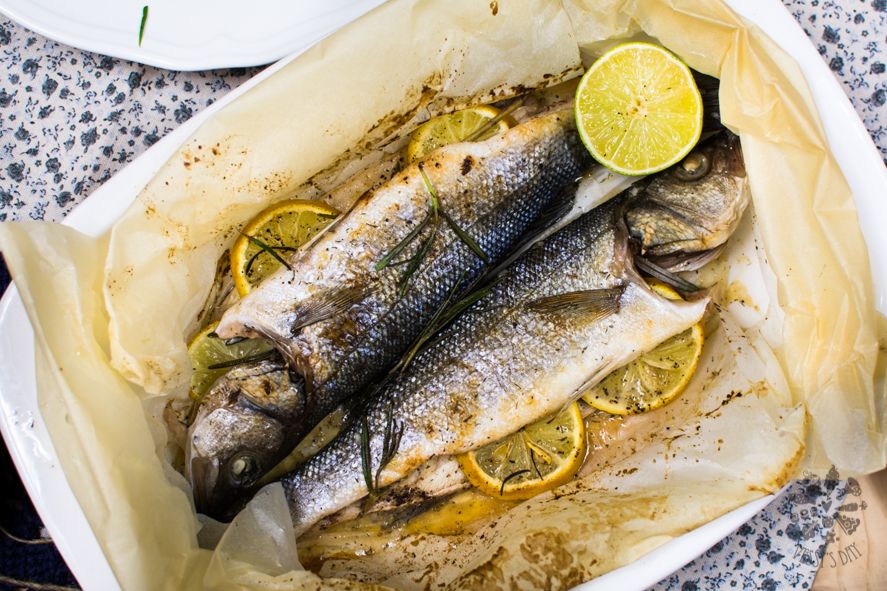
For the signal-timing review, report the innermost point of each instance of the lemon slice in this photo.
(654, 379)
(456, 127)
(207, 351)
(638, 109)
(539, 457)
(284, 227)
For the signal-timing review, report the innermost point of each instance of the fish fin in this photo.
(320, 308)
(591, 382)
(595, 304)
(663, 275)
(686, 261)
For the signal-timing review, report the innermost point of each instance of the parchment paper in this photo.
(122, 306)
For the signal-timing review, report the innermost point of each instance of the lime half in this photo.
(638, 109)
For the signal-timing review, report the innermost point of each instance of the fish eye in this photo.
(244, 468)
(693, 167)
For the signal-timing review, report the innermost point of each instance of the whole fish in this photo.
(569, 311)
(341, 318)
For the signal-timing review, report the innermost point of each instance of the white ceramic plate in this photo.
(36, 460)
(192, 35)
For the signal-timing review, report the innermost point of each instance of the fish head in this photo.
(696, 204)
(241, 431)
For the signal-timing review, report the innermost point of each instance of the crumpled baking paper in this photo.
(792, 368)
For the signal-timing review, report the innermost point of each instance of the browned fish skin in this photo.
(494, 190)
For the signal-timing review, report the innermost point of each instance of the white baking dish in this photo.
(32, 450)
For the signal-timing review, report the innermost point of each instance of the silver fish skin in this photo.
(523, 352)
(342, 324)
(241, 429)
(697, 205)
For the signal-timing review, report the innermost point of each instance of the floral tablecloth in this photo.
(70, 119)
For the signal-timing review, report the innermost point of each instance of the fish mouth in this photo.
(204, 475)
(213, 496)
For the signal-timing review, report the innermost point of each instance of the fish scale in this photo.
(709, 190)
(372, 334)
(502, 364)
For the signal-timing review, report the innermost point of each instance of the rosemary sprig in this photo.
(269, 250)
(459, 231)
(404, 243)
(509, 477)
(142, 26)
(247, 359)
(465, 303)
(432, 217)
(415, 261)
(390, 444)
(432, 327)
(533, 459)
(252, 259)
(443, 316)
